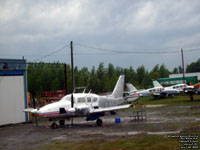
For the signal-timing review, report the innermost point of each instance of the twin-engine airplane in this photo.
(179, 87)
(87, 105)
(158, 91)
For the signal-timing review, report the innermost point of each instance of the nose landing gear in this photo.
(54, 125)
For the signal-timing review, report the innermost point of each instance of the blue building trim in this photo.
(11, 73)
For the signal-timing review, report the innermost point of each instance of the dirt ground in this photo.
(160, 121)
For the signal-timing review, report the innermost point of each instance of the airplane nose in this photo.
(34, 111)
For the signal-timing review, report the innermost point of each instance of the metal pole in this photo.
(183, 65)
(65, 71)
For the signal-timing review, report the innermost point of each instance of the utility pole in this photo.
(72, 70)
(183, 65)
(72, 66)
(65, 71)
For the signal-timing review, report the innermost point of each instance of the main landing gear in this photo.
(99, 122)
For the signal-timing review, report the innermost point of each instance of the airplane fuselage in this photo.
(84, 104)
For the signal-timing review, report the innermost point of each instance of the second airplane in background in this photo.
(156, 92)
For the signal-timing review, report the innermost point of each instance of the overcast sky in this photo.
(35, 28)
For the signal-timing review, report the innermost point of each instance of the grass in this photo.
(143, 142)
(179, 100)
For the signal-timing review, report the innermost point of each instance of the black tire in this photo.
(54, 125)
(99, 122)
(61, 122)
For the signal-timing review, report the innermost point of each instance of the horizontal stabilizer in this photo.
(110, 108)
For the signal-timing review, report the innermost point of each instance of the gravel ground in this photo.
(160, 121)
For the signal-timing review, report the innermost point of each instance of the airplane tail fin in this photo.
(130, 87)
(157, 84)
(119, 88)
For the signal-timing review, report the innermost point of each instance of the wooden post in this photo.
(183, 65)
(65, 71)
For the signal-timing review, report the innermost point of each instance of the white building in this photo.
(13, 91)
(186, 75)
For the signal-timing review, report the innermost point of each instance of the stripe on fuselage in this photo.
(51, 113)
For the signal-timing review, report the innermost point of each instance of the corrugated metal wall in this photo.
(12, 101)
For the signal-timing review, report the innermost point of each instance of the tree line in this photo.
(50, 77)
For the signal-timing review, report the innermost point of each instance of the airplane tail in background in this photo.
(119, 88)
(157, 84)
(130, 87)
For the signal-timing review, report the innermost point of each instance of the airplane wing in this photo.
(110, 108)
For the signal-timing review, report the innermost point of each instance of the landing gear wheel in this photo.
(54, 125)
(61, 122)
(99, 122)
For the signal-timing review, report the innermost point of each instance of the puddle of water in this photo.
(115, 134)
(151, 106)
(62, 137)
(197, 119)
(134, 132)
(153, 133)
(163, 133)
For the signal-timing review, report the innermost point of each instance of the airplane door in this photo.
(92, 101)
(89, 101)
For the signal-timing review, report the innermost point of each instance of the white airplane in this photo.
(87, 105)
(157, 91)
(179, 87)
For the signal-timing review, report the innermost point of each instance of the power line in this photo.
(129, 52)
(55, 51)
(190, 50)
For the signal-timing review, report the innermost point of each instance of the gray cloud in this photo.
(35, 28)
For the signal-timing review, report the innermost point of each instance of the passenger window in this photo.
(95, 100)
(81, 100)
(89, 99)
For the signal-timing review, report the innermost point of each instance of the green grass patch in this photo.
(179, 100)
(143, 142)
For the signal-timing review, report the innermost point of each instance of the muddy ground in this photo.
(160, 121)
